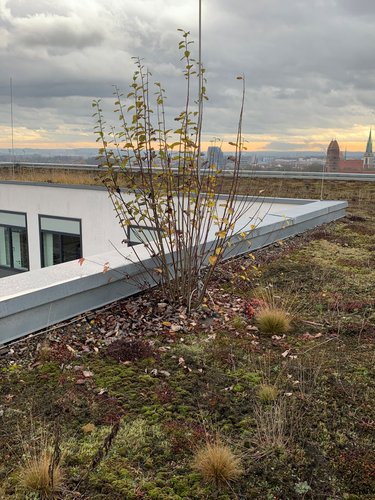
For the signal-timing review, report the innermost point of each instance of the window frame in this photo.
(10, 226)
(59, 233)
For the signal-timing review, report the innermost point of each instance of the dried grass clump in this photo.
(271, 428)
(44, 351)
(274, 321)
(267, 393)
(37, 475)
(217, 464)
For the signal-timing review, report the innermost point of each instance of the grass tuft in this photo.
(37, 476)
(217, 464)
(273, 321)
(267, 393)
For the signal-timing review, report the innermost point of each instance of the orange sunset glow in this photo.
(353, 140)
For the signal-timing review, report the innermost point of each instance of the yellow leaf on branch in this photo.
(221, 234)
(212, 260)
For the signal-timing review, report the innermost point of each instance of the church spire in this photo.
(368, 158)
(369, 144)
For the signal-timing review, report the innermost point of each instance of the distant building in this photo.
(336, 162)
(215, 156)
(368, 158)
(333, 157)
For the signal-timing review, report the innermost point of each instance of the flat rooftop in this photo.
(40, 298)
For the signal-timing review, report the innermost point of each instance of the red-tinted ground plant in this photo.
(253, 306)
(124, 349)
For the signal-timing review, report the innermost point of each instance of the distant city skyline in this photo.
(309, 68)
(92, 152)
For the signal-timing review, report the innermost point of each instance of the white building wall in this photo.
(100, 230)
(92, 206)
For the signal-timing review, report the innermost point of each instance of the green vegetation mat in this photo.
(297, 408)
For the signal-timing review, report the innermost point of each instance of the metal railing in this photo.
(276, 174)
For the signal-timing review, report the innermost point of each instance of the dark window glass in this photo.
(57, 252)
(71, 246)
(58, 248)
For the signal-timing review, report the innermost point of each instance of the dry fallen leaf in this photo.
(176, 328)
(88, 428)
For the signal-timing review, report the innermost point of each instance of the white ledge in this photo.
(38, 299)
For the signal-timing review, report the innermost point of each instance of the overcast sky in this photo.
(309, 67)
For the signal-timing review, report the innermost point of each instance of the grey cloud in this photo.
(309, 64)
(358, 7)
(27, 8)
(291, 94)
(58, 33)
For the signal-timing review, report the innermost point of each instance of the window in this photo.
(60, 239)
(14, 253)
(141, 234)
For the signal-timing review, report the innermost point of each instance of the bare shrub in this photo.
(175, 207)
